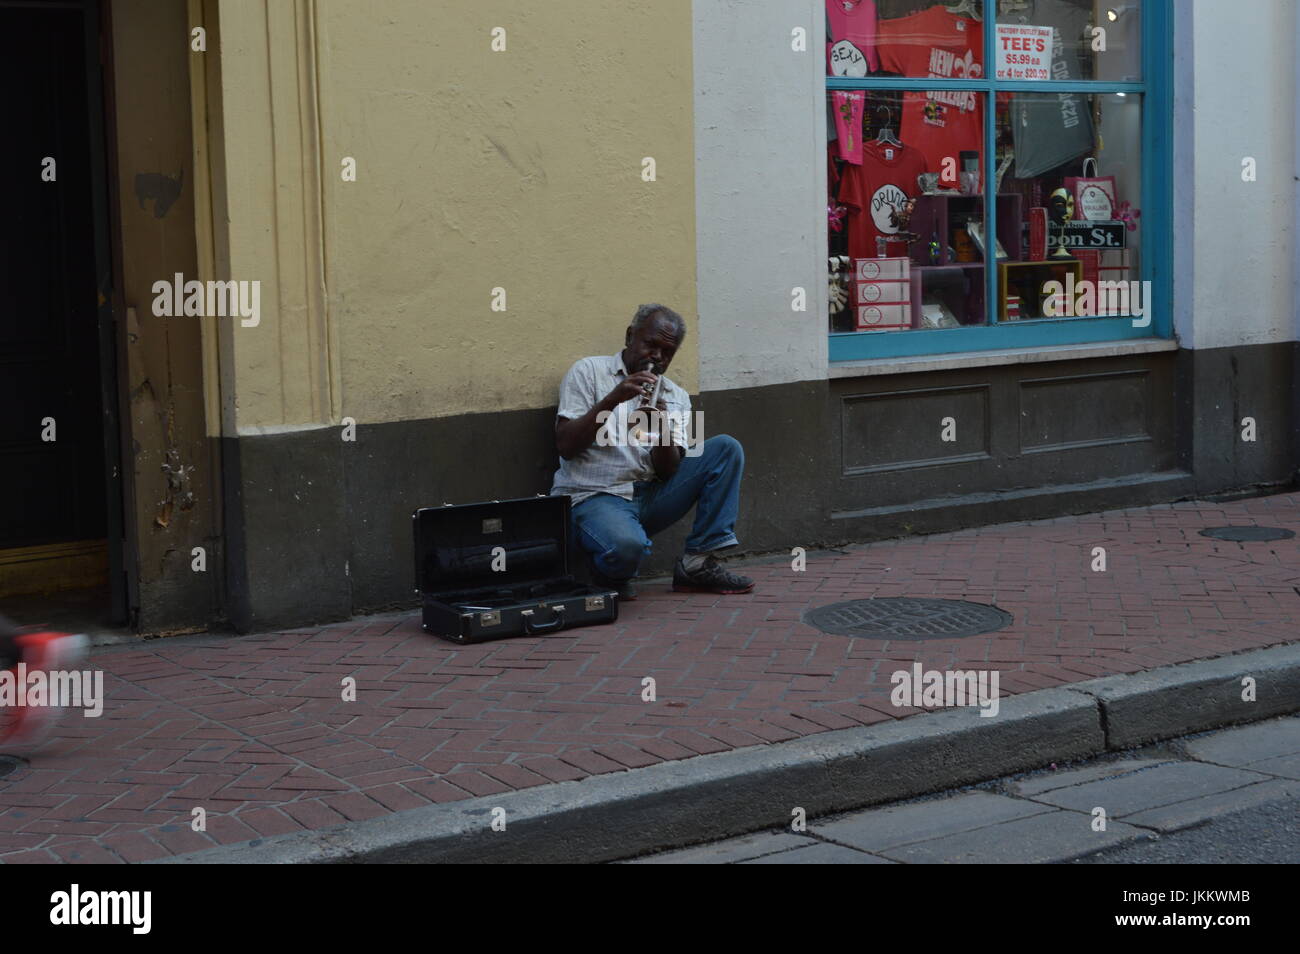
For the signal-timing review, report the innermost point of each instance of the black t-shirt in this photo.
(1051, 129)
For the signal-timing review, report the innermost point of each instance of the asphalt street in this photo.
(1267, 834)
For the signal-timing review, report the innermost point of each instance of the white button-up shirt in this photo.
(615, 468)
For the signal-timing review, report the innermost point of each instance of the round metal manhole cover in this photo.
(907, 617)
(1248, 534)
(8, 764)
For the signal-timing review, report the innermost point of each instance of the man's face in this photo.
(655, 341)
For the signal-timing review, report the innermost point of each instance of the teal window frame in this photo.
(1156, 178)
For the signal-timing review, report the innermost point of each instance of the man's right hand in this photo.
(632, 386)
(574, 437)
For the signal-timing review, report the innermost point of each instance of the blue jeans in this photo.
(616, 532)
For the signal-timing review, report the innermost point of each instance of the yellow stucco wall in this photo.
(475, 170)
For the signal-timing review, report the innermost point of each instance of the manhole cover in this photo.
(907, 617)
(8, 763)
(1248, 533)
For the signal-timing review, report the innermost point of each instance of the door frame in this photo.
(123, 546)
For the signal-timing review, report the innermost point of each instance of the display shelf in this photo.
(935, 216)
(1026, 280)
(959, 287)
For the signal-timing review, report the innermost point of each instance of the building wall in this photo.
(475, 170)
(1235, 244)
(855, 455)
(1243, 105)
(761, 184)
(518, 170)
(521, 170)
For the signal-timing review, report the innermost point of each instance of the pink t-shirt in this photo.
(851, 47)
(848, 123)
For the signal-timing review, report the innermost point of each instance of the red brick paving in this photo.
(253, 729)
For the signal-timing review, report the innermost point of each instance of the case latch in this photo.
(595, 603)
(490, 619)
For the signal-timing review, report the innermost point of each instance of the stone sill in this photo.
(980, 359)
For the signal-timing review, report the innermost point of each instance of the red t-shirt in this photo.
(934, 42)
(874, 191)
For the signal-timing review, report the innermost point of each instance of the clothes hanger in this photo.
(886, 135)
(967, 8)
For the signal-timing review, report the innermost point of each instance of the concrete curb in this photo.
(1193, 697)
(674, 804)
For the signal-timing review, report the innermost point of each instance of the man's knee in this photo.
(725, 447)
(623, 555)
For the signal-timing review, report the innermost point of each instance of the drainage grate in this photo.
(907, 617)
(1248, 534)
(9, 763)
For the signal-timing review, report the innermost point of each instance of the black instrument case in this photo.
(501, 569)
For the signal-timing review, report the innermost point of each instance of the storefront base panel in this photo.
(318, 528)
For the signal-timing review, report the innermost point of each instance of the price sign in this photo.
(1024, 52)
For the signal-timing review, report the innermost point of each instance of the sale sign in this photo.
(1024, 52)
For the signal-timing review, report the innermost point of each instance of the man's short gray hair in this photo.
(646, 312)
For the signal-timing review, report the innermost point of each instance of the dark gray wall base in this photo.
(1216, 390)
(319, 529)
(286, 524)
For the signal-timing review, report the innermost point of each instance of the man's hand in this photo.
(665, 456)
(574, 437)
(632, 386)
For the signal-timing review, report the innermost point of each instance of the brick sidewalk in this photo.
(254, 731)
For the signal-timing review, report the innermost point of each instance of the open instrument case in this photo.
(501, 569)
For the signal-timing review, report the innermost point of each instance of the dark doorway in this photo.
(60, 498)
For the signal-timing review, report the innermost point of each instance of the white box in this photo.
(884, 293)
(884, 317)
(882, 269)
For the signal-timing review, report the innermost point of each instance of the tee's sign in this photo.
(1024, 52)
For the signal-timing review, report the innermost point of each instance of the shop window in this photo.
(1048, 242)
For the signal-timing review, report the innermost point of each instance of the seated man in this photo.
(626, 492)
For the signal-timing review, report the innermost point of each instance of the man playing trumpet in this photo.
(623, 461)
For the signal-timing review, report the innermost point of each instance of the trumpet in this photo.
(649, 398)
(650, 392)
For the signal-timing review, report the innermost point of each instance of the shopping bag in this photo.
(1094, 196)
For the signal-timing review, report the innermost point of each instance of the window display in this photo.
(1090, 40)
(892, 208)
(907, 177)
